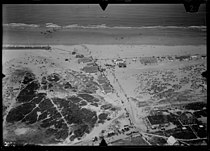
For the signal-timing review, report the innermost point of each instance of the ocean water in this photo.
(92, 16)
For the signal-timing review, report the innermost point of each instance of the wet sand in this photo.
(75, 36)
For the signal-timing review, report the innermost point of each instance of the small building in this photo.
(117, 61)
(85, 60)
(203, 57)
(193, 57)
(122, 65)
(172, 141)
(90, 69)
(79, 56)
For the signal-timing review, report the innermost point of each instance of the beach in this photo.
(100, 36)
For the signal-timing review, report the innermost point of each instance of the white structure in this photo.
(171, 140)
(193, 57)
(117, 61)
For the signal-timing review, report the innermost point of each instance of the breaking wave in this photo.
(52, 25)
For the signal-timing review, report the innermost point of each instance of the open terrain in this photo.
(77, 94)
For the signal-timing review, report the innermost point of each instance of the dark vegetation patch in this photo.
(180, 133)
(18, 113)
(90, 91)
(176, 86)
(67, 85)
(74, 114)
(198, 114)
(45, 104)
(72, 137)
(89, 116)
(83, 103)
(44, 80)
(106, 106)
(201, 131)
(83, 128)
(50, 85)
(101, 121)
(182, 57)
(96, 100)
(54, 77)
(159, 140)
(14, 115)
(133, 141)
(42, 116)
(187, 118)
(173, 119)
(204, 74)
(94, 104)
(38, 98)
(113, 108)
(31, 117)
(158, 119)
(79, 56)
(157, 88)
(54, 119)
(74, 99)
(102, 116)
(28, 92)
(44, 87)
(61, 134)
(184, 134)
(86, 97)
(50, 132)
(28, 77)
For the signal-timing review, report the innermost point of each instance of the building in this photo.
(193, 57)
(172, 141)
(120, 62)
(122, 65)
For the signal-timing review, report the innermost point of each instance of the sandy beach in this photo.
(100, 36)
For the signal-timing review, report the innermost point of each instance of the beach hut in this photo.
(120, 62)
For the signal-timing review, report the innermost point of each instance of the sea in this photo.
(92, 16)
